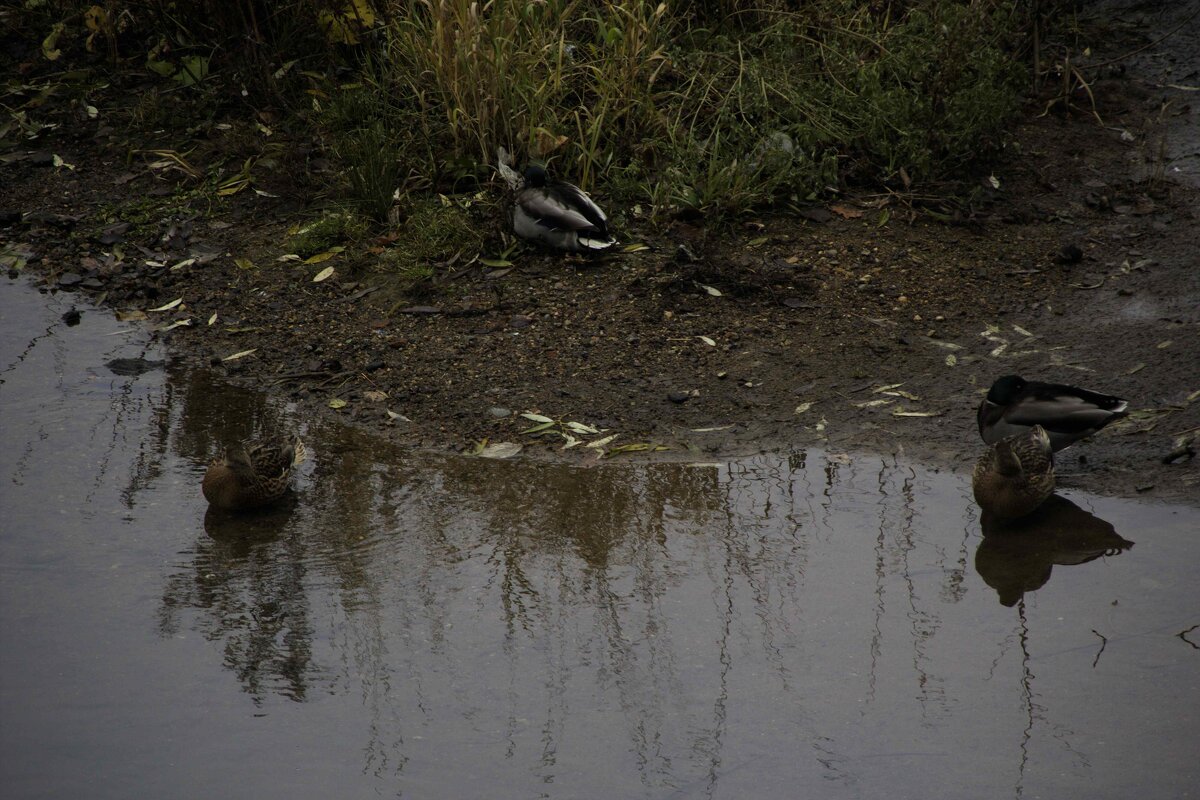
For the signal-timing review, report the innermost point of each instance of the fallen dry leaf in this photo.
(846, 212)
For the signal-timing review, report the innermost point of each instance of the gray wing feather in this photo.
(551, 211)
(1062, 412)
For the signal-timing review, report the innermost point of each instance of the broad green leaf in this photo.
(328, 254)
(50, 44)
(192, 70)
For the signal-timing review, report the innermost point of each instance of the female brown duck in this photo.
(251, 475)
(1015, 475)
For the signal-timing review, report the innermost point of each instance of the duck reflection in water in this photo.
(1017, 556)
(258, 525)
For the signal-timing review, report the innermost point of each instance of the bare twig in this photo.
(1103, 644)
(1183, 635)
(1162, 38)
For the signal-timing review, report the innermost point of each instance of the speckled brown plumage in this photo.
(1015, 475)
(251, 475)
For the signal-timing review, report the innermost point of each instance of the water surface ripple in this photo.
(820, 625)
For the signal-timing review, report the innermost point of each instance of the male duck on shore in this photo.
(1014, 405)
(251, 475)
(1015, 475)
(559, 215)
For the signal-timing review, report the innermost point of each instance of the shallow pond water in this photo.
(821, 625)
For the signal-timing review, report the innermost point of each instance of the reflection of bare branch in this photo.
(1027, 695)
(1103, 644)
(1183, 635)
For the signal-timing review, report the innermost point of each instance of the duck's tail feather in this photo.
(595, 245)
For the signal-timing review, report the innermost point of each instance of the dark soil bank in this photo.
(857, 325)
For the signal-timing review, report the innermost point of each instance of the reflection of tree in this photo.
(246, 573)
(248, 578)
(206, 414)
(466, 600)
(1018, 557)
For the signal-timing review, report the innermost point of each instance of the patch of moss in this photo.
(321, 234)
(436, 231)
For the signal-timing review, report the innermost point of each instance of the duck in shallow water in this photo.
(1014, 405)
(251, 475)
(1015, 475)
(559, 215)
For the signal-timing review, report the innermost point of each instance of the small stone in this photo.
(374, 366)
(1070, 253)
(498, 412)
(679, 397)
(70, 280)
(520, 321)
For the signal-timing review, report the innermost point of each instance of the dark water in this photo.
(819, 625)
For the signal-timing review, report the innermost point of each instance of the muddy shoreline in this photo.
(858, 325)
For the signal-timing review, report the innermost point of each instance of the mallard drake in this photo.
(559, 215)
(251, 475)
(1015, 475)
(1013, 405)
